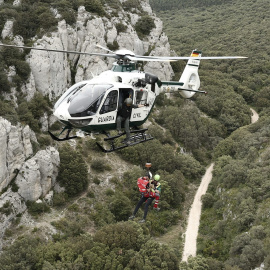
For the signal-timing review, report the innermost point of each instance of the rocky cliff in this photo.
(51, 72)
(25, 175)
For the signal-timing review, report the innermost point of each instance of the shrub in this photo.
(59, 199)
(26, 116)
(91, 194)
(4, 83)
(127, 235)
(96, 180)
(131, 4)
(113, 46)
(8, 111)
(94, 6)
(6, 208)
(37, 208)
(39, 105)
(120, 27)
(101, 215)
(73, 175)
(99, 165)
(208, 200)
(120, 206)
(109, 192)
(144, 26)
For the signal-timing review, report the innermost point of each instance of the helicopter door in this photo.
(141, 97)
(108, 110)
(140, 114)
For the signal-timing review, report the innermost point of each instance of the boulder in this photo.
(16, 147)
(38, 174)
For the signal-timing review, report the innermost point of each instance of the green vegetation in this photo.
(132, 5)
(30, 112)
(108, 249)
(12, 59)
(6, 209)
(73, 175)
(94, 6)
(100, 166)
(160, 5)
(35, 208)
(238, 199)
(120, 27)
(144, 26)
(234, 229)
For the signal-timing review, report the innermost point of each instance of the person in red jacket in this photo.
(147, 196)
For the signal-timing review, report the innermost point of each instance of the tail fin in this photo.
(190, 77)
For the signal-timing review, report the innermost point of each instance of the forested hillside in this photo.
(234, 231)
(85, 225)
(89, 218)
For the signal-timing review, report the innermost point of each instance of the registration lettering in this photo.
(106, 119)
(136, 115)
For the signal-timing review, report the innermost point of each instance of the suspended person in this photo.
(157, 190)
(124, 113)
(147, 196)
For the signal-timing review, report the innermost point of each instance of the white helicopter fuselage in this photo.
(92, 105)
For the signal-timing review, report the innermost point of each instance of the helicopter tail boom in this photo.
(190, 78)
(189, 82)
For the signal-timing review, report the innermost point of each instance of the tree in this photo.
(20, 255)
(120, 206)
(124, 235)
(154, 256)
(246, 252)
(73, 174)
(144, 25)
(94, 6)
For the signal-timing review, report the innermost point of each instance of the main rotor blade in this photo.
(170, 59)
(106, 49)
(62, 51)
(130, 57)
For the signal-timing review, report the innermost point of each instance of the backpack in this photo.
(142, 184)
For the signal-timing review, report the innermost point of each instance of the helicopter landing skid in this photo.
(139, 137)
(63, 139)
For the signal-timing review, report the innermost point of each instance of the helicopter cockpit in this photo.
(86, 100)
(123, 66)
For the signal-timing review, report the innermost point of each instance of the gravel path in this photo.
(254, 117)
(191, 234)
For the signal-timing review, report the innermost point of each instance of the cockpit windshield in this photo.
(87, 100)
(124, 67)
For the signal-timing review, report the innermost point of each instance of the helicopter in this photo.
(92, 105)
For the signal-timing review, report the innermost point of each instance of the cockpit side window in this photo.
(141, 97)
(110, 103)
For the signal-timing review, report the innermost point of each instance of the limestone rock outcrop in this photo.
(35, 174)
(51, 71)
(38, 174)
(16, 147)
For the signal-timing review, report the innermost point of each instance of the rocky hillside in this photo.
(27, 173)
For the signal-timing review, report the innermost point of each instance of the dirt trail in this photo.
(190, 247)
(254, 117)
(191, 234)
